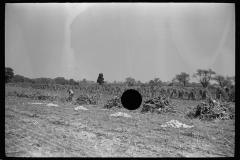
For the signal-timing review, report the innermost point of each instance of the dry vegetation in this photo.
(36, 130)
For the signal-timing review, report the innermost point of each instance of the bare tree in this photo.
(139, 82)
(204, 76)
(157, 81)
(173, 81)
(130, 81)
(222, 81)
(183, 78)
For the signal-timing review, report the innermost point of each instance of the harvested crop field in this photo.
(33, 128)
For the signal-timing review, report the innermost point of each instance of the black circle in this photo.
(131, 99)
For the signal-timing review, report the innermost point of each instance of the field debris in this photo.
(51, 104)
(34, 95)
(121, 114)
(176, 124)
(80, 107)
(211, 109)
(35, 103)
(157, 104)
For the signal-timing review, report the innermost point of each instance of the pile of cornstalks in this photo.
(211, 109)
(86, 99)
(158, 105)
(114, 102)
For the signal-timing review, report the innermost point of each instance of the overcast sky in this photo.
(120, 40)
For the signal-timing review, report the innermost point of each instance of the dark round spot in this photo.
(131, 99)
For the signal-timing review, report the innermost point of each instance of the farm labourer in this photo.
(70, 92)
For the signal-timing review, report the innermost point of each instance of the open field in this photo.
(37, 130)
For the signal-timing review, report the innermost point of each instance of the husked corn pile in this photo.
(211, 109)
(157, 104)
(114, 102)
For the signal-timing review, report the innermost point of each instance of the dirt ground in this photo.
(37, 130)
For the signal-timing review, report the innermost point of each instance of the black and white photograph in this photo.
(120, 80)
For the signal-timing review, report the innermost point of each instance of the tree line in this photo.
(203, 77)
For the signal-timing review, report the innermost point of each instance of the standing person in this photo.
(71, 94)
